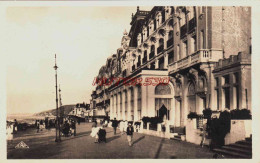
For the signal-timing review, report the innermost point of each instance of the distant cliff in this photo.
(65, 108)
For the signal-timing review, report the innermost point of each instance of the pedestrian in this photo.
(114, 125)
(15, 126)
(94, 132)
(204, 132)
(66, 128)
(41, 125)
(9, 131)
(37, 124)
(129, 133)
(46, 123)
(73, 126)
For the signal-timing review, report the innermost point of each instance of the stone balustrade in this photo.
(201, 56)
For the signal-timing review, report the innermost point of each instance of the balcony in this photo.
(159, 49)
(151, 55)
(192, 24)
(201, 56)
(183, 30)
(170, 42)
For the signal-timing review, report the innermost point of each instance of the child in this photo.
(129, 133)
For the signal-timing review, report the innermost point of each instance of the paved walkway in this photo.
(42, 145)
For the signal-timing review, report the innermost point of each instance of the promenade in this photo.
(42, 146)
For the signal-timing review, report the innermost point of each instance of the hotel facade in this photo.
(200, 55)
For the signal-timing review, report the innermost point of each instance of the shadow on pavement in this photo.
(112, 138)
(139, 139)
(159, 149)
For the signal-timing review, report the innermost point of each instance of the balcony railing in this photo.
(151, 55)
(160, 49)
(170, 42)
(192, 24)
(183, 30)
(203, 55)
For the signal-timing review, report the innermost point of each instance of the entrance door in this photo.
(163, 111)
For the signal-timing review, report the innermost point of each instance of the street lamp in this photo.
(57, 119)
(61, 110)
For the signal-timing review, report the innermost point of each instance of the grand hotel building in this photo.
(205, 52)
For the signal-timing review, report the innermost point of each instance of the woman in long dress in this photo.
(94, 132)
(9, 132)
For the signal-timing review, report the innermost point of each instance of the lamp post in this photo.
(57, 118)
(61, 111)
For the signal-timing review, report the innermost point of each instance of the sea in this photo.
(24, 118)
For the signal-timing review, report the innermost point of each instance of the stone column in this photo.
(129, 104)
(165, 60)
(231, 93)
(144, 100)
(135, 104)
(123, 105)
(156, 64)
(177, 113)
(118, 106)
(112, 107)
(166, 38)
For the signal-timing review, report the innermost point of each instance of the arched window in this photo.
(191, 97)
(161, 41)
(162, 89)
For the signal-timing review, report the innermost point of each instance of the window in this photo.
(216, 82)
(132, 99)
(139, 102)
(126, 101)
(217, 94)
(154, 24)
(227, 97)
(162, 89)
(120, 95)
(226, 79)
(152, 66)
(161, 63)
(202, 43)
(178, 51)
(170, 57)
(185, 49)
(163, 16)
(193, 44)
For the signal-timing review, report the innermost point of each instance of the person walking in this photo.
(114, 125)
(41, 125)
(73, 127)
(37, 123)
(129, 133)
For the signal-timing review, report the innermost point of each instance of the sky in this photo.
(81, 37)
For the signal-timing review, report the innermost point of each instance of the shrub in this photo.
(192, 115)
(138, 123)
(241, 114)
(207, 113)
(156, 120)
(146, 119)
(152, 120)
